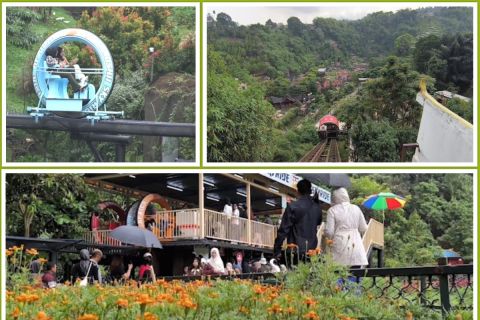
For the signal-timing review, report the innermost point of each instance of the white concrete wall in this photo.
(443, 136)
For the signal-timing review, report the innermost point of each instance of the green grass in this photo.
(19, 61)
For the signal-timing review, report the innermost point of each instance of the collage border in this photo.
(201, 165)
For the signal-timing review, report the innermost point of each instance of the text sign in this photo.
(291, 180)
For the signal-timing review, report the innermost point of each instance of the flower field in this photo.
(309, 292)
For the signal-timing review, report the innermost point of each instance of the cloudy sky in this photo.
(249, 14)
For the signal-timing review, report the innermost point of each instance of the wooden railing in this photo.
(263, 234)
(223, 227)
(187, 224)
(100, 237)
(374, 236)
(177, 224)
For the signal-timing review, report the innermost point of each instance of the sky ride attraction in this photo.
(51, 82)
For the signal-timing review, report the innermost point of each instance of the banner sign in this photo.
(291, 180)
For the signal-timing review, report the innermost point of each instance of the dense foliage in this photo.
(283, 59)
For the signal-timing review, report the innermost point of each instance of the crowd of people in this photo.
(214, 265)
(88, 271)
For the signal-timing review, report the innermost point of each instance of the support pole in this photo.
(120, 150)
(201, 204)
(96, 154)
(249, 213)
(444, 294)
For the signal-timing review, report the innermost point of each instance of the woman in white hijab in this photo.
(216, 261)
(345, 223)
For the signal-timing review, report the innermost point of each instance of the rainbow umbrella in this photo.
(384, 201)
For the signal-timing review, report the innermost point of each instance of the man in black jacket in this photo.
(299, 222)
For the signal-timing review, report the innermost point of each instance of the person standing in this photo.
(97, 255)
(299, 222)
(49, 278)
(345, 223)
(146, 272)
(216, 262)
(85, 268)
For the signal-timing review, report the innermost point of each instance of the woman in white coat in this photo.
(345, 223)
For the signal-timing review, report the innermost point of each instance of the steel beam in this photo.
(131, 127)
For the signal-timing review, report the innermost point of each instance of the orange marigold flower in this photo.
(408, 316)
(311, 253)
(259, 289)
(42, 260)
(15, 313)
(41, 315)
(458, 317)
(32, 252)
(9, 252)
(147, 316)
(292, 246)
(311, 315)
(310, 302)
(88, 316)
(27, 298)
(144, 299)
(275, 308)
(329, 242)
(187, 303)
(122, 303)
(272, 295)
(290, 310)
(213, 295)
(244, 310)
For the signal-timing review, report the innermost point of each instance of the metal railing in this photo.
(437, 287)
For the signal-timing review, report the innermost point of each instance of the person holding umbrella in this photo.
(345, 223)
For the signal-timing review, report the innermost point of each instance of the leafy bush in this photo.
(19, 24)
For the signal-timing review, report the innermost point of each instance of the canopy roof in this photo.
(329, 119)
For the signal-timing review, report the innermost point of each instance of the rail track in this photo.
(325, 151)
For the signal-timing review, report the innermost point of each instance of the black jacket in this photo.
(299, 225)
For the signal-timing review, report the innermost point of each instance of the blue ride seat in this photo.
(57, 98)
(86, 94)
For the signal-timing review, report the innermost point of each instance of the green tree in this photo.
(48, 204)
(238, 121)
(374, 142)
(404, 44)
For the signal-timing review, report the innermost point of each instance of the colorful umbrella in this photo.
(384, 201)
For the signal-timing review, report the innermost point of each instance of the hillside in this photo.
(276, 61)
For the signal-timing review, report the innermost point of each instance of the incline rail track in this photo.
(325, 151)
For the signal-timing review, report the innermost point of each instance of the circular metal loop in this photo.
(78, 35)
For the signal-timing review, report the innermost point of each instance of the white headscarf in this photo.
(340, 196)
(216, 263)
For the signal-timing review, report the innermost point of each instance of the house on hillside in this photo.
(321, 71)
(444, 96)
(283, 102)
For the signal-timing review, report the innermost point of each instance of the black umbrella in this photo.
(136, 236)
(329, 179)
